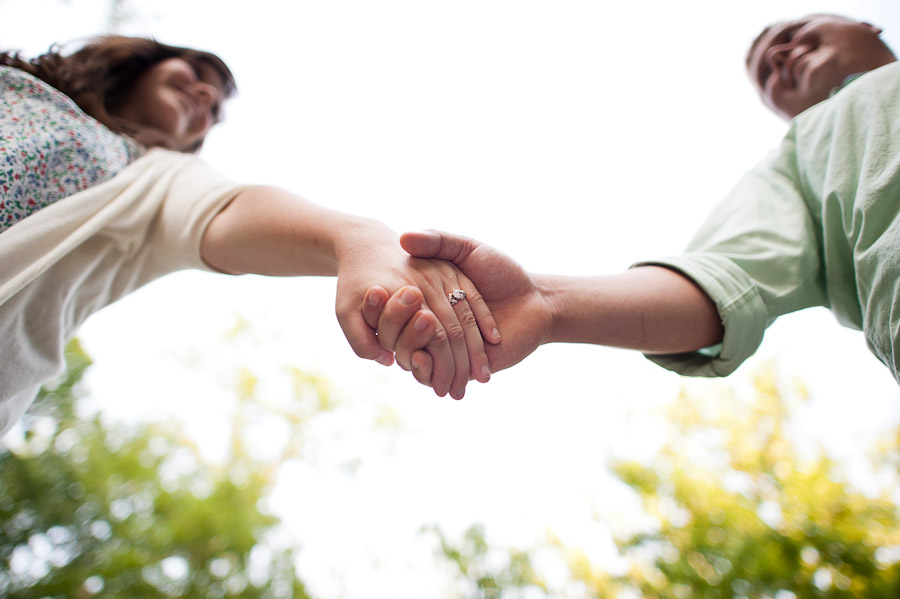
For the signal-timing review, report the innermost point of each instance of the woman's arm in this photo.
(270, 231)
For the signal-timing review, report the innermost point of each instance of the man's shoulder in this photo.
(875, 80)
(868, 98)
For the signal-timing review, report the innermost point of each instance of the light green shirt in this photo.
(814, 224)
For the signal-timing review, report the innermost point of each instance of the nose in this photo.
(206, 93)
(777, 55)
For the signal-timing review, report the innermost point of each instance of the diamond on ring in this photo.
(456, 295)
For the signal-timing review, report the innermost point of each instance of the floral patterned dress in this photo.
(49, 148)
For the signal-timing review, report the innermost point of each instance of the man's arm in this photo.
(651, 309)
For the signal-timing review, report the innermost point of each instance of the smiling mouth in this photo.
(192, 108)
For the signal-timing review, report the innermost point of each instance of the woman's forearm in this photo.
(270, 231)
(651, 309)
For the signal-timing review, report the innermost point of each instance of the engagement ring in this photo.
(455, 296)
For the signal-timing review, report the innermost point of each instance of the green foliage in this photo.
(491, 574)
(740, 511)
(90, 510)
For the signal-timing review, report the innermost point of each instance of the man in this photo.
(817, 223)
(796, 64)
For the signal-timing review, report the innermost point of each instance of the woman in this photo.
(101, 194)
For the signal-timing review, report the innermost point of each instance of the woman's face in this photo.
(177, 99)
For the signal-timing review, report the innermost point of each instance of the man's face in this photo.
(796, 64)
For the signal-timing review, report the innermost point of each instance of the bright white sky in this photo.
(577, 136)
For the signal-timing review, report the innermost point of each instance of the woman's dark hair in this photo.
(101, 73)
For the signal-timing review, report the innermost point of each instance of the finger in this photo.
(474, 343)
(373, 304)
(438, 244)
(454, 335)
(415, 336)
(456, 249)
(362, 337)
(397, 313)
(487, 324)
(425, 331)
(443, 369)
(421, 366)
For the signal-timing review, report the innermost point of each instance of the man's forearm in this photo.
(651, 309)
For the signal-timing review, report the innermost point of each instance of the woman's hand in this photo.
(523, 313)
(452, 335)
(270, 231)
(652, 309)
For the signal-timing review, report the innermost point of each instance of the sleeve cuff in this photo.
(743, 313)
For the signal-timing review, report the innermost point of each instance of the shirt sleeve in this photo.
(194, 195)
(757, 256)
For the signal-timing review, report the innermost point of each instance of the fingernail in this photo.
(496, 334)
(374, 299)
(385, 359)
(421, 323)
(485, 373)
(408, 296)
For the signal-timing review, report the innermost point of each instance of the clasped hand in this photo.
(416, 313)
(502, 298)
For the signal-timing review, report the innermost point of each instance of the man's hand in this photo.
(457, 341)
(652, 309)
(524, 317)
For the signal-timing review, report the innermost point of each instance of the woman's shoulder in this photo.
(18, 86)
(25, 97)
(52, 149)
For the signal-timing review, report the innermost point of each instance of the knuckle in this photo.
(474, 297)
(456, 333)
(431, 277)
(467, 318)
(361, 351)
(440, 336)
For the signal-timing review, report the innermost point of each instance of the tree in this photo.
(87, 509)
(739, 510)
(757, 517)
(478, 563)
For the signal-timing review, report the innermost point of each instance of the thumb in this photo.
(439, 244)
(362, 338)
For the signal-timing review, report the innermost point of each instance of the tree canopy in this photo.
(91, 510)
(737, 509)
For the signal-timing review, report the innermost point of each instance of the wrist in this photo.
(359, 237)
(581, 309)
(551, 289)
